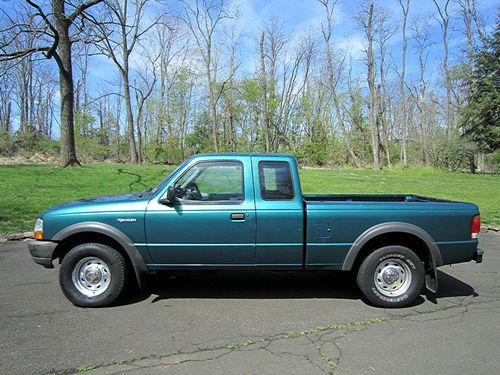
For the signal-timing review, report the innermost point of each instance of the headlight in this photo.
(39, 229)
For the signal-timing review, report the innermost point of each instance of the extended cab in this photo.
(220, 211)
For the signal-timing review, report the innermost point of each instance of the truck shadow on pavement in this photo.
(270, 285)
(450, 286)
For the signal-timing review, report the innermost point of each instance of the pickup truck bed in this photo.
(335, 222)
(369, 198)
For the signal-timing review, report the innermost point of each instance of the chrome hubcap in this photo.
(91, 276)
(392, 277)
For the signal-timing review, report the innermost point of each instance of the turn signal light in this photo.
(38, 231)
(475, 227)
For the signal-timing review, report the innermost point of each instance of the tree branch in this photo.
(22, 54)
(82, 8)
(50, 52)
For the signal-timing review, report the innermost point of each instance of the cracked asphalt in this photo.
(250, 323)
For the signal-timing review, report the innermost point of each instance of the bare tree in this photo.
(307, 50)
(103, 113)
(472, 26)
(81, 59)
(174, 48)
(473, 22)
(143, 90)
(263, 82)
(120, 27)
(326, 30)
(228, 92)
(41, 102)
(365, 19)
(444, 21)
(405, 8)
(6, 90)
(118, 110)
(421, 34)
(202, 19)
(308, 112)
(24, 71)
(384, 31)
(275, 82)
(54, 41)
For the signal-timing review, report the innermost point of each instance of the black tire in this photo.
(392, 276)
(106, 269)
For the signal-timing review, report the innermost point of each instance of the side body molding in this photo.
(398, 227)
(93, 226)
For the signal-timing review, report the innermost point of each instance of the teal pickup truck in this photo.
(223, 211)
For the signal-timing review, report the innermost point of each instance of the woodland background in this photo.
(157, 81)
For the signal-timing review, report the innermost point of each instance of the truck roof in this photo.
(246, 154)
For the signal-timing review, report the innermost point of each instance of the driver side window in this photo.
(211, 182)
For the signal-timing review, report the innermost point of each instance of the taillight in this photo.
(475, 227)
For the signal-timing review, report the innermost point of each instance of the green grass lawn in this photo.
(27, 190)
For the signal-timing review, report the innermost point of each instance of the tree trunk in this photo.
(139, 135)
(117, 122)
(472, 164)
(404, 122)
(265, 114)
(6, 120)
(373, 94)
(421, 121)
(449, 109)
(117, 137)
(444, 19)
(480, 161)
(22, 101)
(130, 118)
(382, 102)
(327, 33)
(211, 98)
(63, 58)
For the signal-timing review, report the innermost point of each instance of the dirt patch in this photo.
(35, 159)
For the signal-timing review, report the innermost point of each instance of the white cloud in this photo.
(353, 45)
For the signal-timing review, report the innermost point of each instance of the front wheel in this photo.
(392, 276)
(92, 275)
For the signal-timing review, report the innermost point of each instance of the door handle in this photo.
(237, 216)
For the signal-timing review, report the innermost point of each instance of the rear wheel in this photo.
(392, 276)
(92, 275)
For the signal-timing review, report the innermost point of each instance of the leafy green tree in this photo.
(480, 118)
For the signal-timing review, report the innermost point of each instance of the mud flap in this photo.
(431, 282)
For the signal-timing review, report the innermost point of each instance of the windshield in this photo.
(164, 181)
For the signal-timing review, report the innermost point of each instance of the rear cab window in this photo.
(275, 179)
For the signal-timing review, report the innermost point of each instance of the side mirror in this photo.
(170, 197)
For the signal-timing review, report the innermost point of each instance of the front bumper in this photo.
(42, 252)
(478, 256)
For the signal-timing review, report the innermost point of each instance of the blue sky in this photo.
(300, 16)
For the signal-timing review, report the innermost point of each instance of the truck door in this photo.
(280, 212)
(212, 221)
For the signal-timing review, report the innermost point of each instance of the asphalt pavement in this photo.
(250, 323)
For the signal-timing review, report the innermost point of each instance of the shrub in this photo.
(311, 153)
(7, 147)
(453, 153)
(493, 162)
